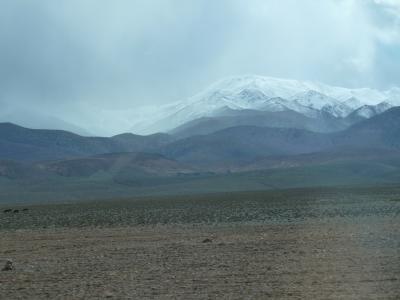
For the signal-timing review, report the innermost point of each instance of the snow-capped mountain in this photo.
(353, 103)
(319, 102)
(369, 111)
(393, 96)
(314, 99)
(265, 94)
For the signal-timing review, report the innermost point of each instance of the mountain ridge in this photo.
(381, 131)
(20, 143)
(242, 157)
(264, 93)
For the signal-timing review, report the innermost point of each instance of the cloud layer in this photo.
(82, 60)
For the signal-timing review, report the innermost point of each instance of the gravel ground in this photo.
(320, 259)
(289, 244)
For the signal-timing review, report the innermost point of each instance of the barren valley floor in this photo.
(349, 249)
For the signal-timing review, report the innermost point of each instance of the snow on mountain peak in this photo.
(368, 111)
(393, 96)
(265, 93)
(353, 103)
(288, 88)
(270, 87)
(314, 99)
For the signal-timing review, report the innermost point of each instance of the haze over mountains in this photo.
(235, 101)
(302, 133)
(335, 107)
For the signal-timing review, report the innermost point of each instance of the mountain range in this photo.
(265, 94)
(292, 136)
(234, 146)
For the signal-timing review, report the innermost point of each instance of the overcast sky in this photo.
(74, 58)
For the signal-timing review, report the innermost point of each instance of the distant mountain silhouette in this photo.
(281, 119)
(247, 143)
(381, 131)
(19, 143)
(235, 147)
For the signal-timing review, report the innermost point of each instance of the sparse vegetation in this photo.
(271, 207)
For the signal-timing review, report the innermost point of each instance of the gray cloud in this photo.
(79, 60)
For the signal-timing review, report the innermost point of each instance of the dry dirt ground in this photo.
(318, 260)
